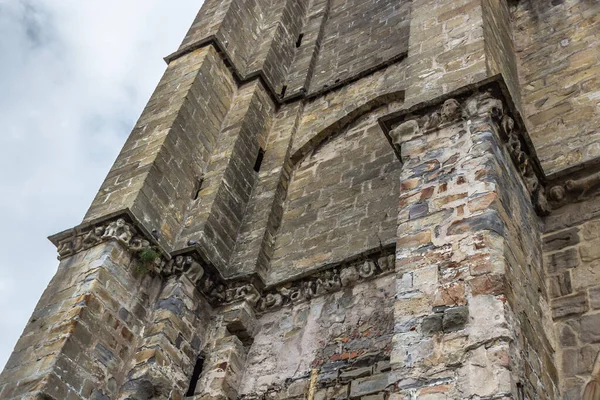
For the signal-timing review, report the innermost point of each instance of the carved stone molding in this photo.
(327, 281)
(219, 291)
(209, 281)
(477, 105)
(574, 189)
(75, 241)
(523, 161)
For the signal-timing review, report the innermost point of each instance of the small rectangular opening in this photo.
(197, 188)
(521, 391)
(259, 159)
(195, 376)
(299, 41)
(283, 90)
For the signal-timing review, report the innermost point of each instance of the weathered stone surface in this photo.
(560, 240)
(594, 295)
(362, 207)
(487, 284)
(567, 336)
(589, 252)
(590, 328)
(355, 373)
(455, 318)
(368, 385)
(569, 305)
(560, 285)
(489, 221)
(561, 261)
(432, 323)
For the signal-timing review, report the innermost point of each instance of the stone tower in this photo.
(343, 199)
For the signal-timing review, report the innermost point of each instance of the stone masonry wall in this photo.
(557, 46)
(446, 47)
(290, 149)
(341, 201)
(343, 340)
(254, 247)
(572, 257)
(304, 45)
(169, 149)
(85, 328)
(213, 218)
(470, 298)
(177, 330)
(377, 31)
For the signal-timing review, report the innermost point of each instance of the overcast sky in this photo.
(74, 77)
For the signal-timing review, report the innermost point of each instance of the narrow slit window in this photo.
(283, 90)
(299, 41)
(197, 188)
(259, 160)
(195, 376)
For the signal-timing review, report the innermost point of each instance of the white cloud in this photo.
(74, 77)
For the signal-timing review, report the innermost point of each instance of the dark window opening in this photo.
(259, 159)
(299, 41)
(195, 376)
(197, 188)
(283, 89)
(521, 391)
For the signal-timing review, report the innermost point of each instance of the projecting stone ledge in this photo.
(150, 258)
(489, 98)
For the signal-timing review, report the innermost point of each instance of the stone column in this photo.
(85, 327)
(467, 325)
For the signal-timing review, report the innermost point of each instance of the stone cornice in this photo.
(208, 280)
(330, 279)
(277, 99)
(487, 99)
(576, 184)
(121, 227)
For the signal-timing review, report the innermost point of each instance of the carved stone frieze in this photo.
(523, 162)
(574, 190)
(118, 230)
(478, 105)
(219, 291)
(209, 281)
(449, 112)
(327, 281)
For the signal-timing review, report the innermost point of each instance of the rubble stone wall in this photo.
(343, 339)
(466, 270)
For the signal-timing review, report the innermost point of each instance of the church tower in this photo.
(343, 199)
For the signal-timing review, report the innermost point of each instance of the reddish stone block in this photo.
(487, 284)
